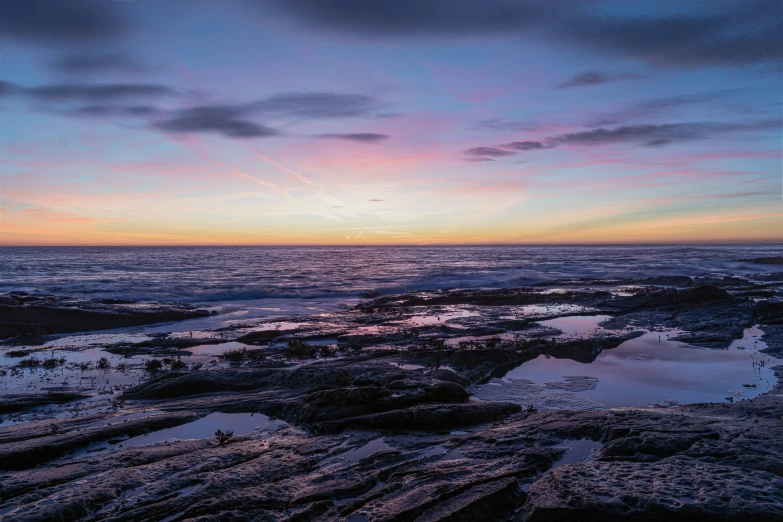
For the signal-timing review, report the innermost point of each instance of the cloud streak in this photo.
(487, 152)
(361, 137)
(316, 105)
(657, 135)
(648, 135)
(590, 78)
(87, 92)
(524, 145)
(234, 120)
(222, 120)
(111, 100)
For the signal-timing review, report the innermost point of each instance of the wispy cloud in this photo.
(487, 153)
(524, 145)
(228, 121)
(501, 125)
(316, 105)
(234, 121)
(590, 78)
(88, 92)
(648, 135)
(361, 137)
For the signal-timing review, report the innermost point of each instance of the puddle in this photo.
(576, 326)
(79, 341)
(218, 349)
(407, 366)
(530, 311)
(204, 428)
(648, 370)
(434, 451)
(443, 452)
(312, 341)
(454, 454)
(357, 454)
(506, 336)
(281, 326)
(436, 319)
(195, 334)
(578, 451)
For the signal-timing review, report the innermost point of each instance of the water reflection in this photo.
(204, 428)
(653, 369)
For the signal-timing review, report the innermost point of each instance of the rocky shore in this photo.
(401, 409)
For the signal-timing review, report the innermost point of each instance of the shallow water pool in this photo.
(204, 428)
(653, 369)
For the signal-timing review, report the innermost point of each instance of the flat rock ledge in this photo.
(27, 314)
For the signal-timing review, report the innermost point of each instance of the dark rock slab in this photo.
(24, 314)
(331, 395)
(427, 417)
(773, 336)
(10, 403)
(765, 260)
(35, 443)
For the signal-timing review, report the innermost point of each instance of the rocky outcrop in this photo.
(702, 462)
(333, 395)
(392, 432)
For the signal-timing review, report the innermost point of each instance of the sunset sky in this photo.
(390, 121)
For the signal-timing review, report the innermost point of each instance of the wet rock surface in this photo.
(400, 410)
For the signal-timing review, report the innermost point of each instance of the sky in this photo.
(149, 122)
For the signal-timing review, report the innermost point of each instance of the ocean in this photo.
(301, 280)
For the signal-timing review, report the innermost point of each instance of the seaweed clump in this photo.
(242, 354)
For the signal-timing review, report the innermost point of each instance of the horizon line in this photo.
(406, 245)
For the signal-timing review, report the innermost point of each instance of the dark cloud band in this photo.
(222, 120)
(718, 34)
(63, 21)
